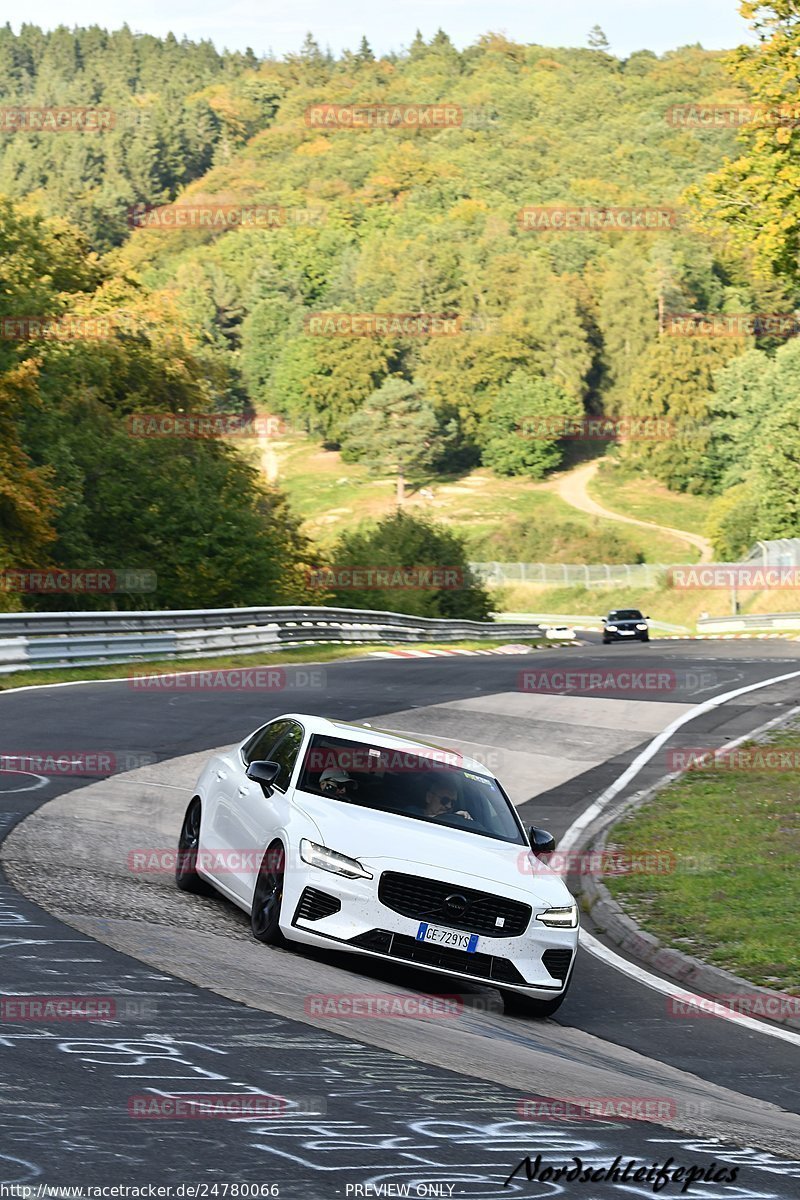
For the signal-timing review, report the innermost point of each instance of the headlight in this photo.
(329, 860)
(641, 627)
(611, 628)
(560, 918)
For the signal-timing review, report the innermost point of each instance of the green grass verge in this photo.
(736, 905)
(635, 494)
(283, 657)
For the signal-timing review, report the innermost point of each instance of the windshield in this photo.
(432, 788)
(626, 614)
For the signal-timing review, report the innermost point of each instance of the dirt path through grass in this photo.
(573, 488)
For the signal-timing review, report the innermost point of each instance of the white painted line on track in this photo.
(610, 957)
(604, 799)
(41, 781)
(707, 1008)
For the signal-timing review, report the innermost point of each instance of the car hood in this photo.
(386, 841)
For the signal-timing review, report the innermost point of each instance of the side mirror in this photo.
(541, 841)
(264, 773)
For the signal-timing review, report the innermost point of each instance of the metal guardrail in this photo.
(742, 623)
(31, 641)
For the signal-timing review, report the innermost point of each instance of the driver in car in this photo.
(337, 783)
(441, 798)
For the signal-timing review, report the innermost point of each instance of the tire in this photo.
(606, 641)
(526, 1006)
(186, 877)
(265, 913)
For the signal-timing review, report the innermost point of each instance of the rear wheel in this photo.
(186, 877)
(267, 898)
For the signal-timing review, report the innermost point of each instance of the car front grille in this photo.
(314, 905)
(398, 945)
(558, 963)
(470, 910)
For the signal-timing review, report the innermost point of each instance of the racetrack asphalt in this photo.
(401, 1104)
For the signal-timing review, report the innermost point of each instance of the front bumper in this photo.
(323, 909)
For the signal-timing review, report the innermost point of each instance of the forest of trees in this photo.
(541, 326)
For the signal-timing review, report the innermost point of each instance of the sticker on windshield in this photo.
(480, 779)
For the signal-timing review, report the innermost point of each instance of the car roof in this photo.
(379, 737)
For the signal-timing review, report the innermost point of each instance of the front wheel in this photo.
(186, 877)
(265, 914)
(526, 1006)
(518, 1004)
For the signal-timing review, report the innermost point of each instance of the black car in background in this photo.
(625, 625)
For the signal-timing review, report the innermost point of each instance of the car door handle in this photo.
(244, 791)
(221, 775)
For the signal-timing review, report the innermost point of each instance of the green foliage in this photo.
(27, 502)
(776, 469)
(673, 387)
(733, 522)
(744, 392)
(319, 383)
(389, 221)
(545, 539)
(395, 430)
(755, 198)
(191, 511)
(78, 490)
(755, 449)
(404, 543)
(408, 220)
(173, 109)
(525, 427)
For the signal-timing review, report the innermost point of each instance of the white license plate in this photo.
(627, 632)
(447, 937)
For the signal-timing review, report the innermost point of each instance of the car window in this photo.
(286, 752)
(262, 743)
(626, 614)
(433, 788)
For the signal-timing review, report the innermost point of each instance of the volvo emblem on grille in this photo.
(456, 904)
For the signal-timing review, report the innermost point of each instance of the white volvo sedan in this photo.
(354, 839)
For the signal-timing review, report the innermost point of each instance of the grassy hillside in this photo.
(501, 520)
(636, 494)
